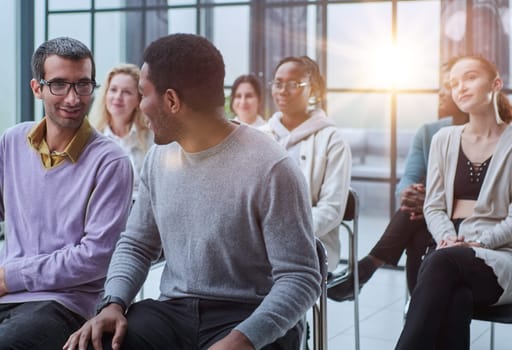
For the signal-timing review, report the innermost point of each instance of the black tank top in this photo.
(469, 177)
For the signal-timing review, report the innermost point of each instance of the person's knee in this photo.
(436, 262)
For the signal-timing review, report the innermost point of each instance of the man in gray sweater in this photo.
(228, 208)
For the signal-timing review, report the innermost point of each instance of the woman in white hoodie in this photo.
(315, 143)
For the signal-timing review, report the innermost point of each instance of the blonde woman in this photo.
(116, 113)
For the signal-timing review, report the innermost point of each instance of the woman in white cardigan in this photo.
(468, 209)
(315, 143)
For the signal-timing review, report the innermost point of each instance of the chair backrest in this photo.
(352, 207)
(322, 258)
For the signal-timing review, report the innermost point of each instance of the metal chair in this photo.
(320, 307)
(350, 224)
(494, 314)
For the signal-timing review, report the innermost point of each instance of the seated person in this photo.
(467, 210)
(245, 100)
(115, 112)
(407, 229)
(230, 211)
(65, 193)
(314, 143)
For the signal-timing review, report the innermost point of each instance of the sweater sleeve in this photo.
(415, 169)
(328, 210)
(436, 206)
(138, 246)
(87, 261)
(500, 234)
(290, 246)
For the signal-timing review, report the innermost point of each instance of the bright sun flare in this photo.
(390, 65)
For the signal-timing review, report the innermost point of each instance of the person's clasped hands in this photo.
(411, 200)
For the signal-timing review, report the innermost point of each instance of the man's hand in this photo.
(3, 285)
(412, 199)
(109, 320)
(235, 340)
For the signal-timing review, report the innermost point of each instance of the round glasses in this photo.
(290, 86)
(61, 88)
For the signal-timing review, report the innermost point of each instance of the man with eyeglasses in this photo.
(65, 194)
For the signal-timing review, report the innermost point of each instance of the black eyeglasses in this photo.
(61, 88)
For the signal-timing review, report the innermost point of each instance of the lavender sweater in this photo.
(61, 224)
(234, 222)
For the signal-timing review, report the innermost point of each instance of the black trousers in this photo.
(189, 324)
(404, 234)
(42, 325)
(451, 283)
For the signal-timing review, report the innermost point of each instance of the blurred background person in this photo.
(245, 100)
(315, 143)
(116, 113)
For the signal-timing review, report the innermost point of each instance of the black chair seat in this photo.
(499, 313)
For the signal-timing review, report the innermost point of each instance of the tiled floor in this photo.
(381, 307)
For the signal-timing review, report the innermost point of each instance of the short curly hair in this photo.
(189, 64)
(64, 47)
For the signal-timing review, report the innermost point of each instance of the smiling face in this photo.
(153, 105)
(472, 86)
(68, 111)
(122, 97)
(246, 102)
(291, 101)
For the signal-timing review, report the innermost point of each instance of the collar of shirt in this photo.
(128, 142)
(108, 132)
(36, 139)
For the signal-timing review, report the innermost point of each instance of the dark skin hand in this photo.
(110, 320)
(412, 199)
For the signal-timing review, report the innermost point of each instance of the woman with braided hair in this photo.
(314, 142)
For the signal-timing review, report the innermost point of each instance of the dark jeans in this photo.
(188, 324)
(42, 325)
(404, 234)
(451, 283)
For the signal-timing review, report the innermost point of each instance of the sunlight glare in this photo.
(391, 66)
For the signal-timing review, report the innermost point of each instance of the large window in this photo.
(9, 83)
(381, 58)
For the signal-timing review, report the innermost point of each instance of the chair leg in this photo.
(304, 340)
(356, 321)
(320, 322)
(353, 259)
(492, 336)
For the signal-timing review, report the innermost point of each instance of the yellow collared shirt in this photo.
(51, 159)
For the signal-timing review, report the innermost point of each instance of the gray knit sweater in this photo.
(234, 222)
